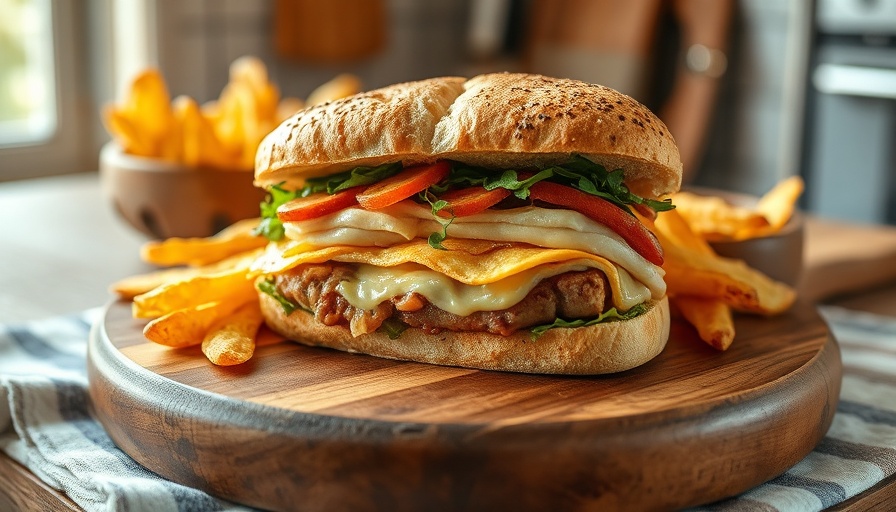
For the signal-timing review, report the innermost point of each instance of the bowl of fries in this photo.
(175, 168)
(164, 199)
(766, 232)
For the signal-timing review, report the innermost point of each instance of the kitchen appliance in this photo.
(850, 160)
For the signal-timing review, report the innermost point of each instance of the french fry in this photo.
(127, 133)
(149, 102)
(235, 239)
(187, 327)
(715, 219)
(676, 229)
(231, 340)
(229, 285)
(710, 317)
(738, 285)
(778, 204)
(693, 268)
(148, 107)
(252, 72)
(339, 87)
(200, 146)
(131, 286)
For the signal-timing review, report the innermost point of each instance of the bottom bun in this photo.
(603, 348)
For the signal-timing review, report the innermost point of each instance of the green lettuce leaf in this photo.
(350, 178)
(392, 328)
(578, 172)
(270, 226)
(268, 287)
(610, 315)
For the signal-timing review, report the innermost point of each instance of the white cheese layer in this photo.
(542, 227)
(372, 285)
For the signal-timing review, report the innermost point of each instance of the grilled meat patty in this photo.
(570, 295)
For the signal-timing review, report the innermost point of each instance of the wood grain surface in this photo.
(23, 491)
(324, 430)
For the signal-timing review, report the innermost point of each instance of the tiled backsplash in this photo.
(755, 140)
(424, 39)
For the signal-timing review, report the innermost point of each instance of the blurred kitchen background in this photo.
(809, 87)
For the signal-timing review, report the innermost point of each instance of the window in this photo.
(48, 119)
(27, 74)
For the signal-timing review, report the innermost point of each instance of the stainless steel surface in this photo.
(861, 81)
(857, 16)
(852, 107)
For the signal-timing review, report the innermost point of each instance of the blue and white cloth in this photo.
(45, 424)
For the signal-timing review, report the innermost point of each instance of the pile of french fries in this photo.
(221, 134)
(209, 298)
(714, 219)
(206, 294)
(704, 287)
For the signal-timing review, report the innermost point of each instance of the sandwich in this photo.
(495, 223)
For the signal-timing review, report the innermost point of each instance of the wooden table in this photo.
(61, 244)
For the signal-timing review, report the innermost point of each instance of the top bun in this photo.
(500, 120)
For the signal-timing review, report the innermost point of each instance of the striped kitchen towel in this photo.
(45, 424)
(859, 449)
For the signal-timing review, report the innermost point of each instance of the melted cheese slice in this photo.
(542, 227)
(473, 264)
(373, 285)
(493, 259)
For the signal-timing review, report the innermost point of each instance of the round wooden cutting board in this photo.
(318, 430)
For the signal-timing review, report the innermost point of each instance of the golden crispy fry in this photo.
(148, 103)
(693, 269)
(221, 134)
(235, 239)
(779, 203)
(339, 87)
(126, 133)
(229, 285)
(715, 219)
(232, 339)
(731, 281)
(131, 286)
(711, 317)
(252, 72)
(147, 109)
(200, 146)
(188, 326)
(676, 229)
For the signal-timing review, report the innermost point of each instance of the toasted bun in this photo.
(497, 120)
(603, 348)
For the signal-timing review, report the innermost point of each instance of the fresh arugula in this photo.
(578, 172)
(267, 286)
(392, 328)
(607, 316)
(270, 226)
(348, 179)
(436, 205)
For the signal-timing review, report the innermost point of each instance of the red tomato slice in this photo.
(629, 228)
(403, 185)
(467, 201)
(317, 205)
